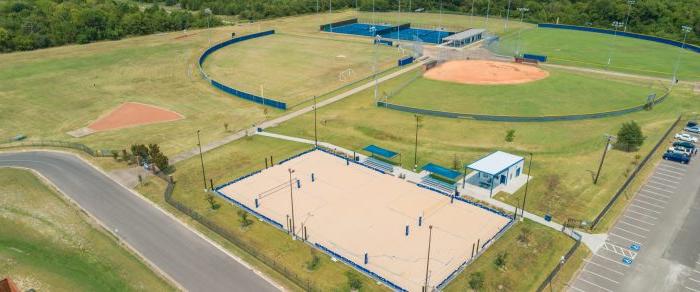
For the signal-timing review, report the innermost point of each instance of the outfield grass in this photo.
(532, 251)
(293, 68)
(587, 49)
(452, 22)
(47, 244)
(562, 93)
(234, 160)
(567, 151)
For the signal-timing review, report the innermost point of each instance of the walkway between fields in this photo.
(593, 241)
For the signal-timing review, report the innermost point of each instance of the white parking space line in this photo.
(607, 259)
(648, 197)
(673, 166)
(638, 220)
(663, 170)
(635, 226)
(654, 193)
(604, 267)
(630, 232)
(601, 276)
(691, 289)
(664, 181)
(635, 212)
(594, 284)
(696, 271)
(670, 176)
(660, 184)
(697, 281)
(576, 288)
(645, 209)
(638, 200)
(658, 189)
(625, 238)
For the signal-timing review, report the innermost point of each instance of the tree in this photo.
(629, 137)
(500, 260)
(510, 135)
(243, 218)
(314, 262)
(354, 281)
(476, 280)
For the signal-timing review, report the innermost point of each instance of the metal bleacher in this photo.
(378, 164)
(438, 184)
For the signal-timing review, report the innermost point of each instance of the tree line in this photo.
(655, 17)
(35, 24)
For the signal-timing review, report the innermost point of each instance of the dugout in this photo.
(464, 38)
(441, 178)
(496, 169)
(381, 158)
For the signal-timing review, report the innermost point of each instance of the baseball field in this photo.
(49, 93)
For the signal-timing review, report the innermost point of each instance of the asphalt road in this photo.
(655, 244)
(192, 261)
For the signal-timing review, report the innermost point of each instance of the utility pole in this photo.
(616, 25)
(505, 26)
(605, 151)
(201, 159)
(629, 11)
(315, 124)
(527, 182)
(291, 197)
(415, 151)
(522, 11)
(686, 29)
(427, 264)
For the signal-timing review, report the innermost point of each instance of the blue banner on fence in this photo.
(406, 61)
(539, 58)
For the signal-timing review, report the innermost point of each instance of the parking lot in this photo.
(654, 245)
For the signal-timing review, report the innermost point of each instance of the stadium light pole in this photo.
(686, 29)
(315, 124)
(616, 25)
(505, 26)
(419, 119)
(471, 19)
(377, 39)
(427, 264)
(488, 11)
(629, 11)
(522, 11)
(291, 197)
(207, 11)
(201, 159)
(527, 183)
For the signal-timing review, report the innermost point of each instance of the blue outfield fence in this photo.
(687, 46)
(235, 92)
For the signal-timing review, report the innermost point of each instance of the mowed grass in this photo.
(531, 252)
(47, 244)
(562, 93)
(237, 159)
(568, 152)
(587, 49)
(293, 68)
(45, 93)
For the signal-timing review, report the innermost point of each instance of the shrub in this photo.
(629, 137)
(354, 281)
(476, 280)
(500, 260)
(243, 218)
(510, 135)
(314, 262)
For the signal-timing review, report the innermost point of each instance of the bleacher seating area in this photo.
(378, 164)
(438, 184)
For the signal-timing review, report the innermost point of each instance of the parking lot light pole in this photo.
(201, 159)
(686, 29)
(616, 25)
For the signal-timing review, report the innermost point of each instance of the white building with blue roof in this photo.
(496, 169)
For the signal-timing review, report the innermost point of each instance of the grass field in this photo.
(531, 252)
(452, 22)
(293, 68)
(560, 94)
(565, 152)
(47, 244)
(586, 49)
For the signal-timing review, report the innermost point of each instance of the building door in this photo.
(503, 179)
(517, 172)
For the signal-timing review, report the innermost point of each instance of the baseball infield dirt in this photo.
(481, 72)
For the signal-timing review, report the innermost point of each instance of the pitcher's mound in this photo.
(129, 114)
(485, 72)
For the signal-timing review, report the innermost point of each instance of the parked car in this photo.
(681, 150)
(684, 144)
(686, 137)
(678, 157)
(691, 124)
(695, 129)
